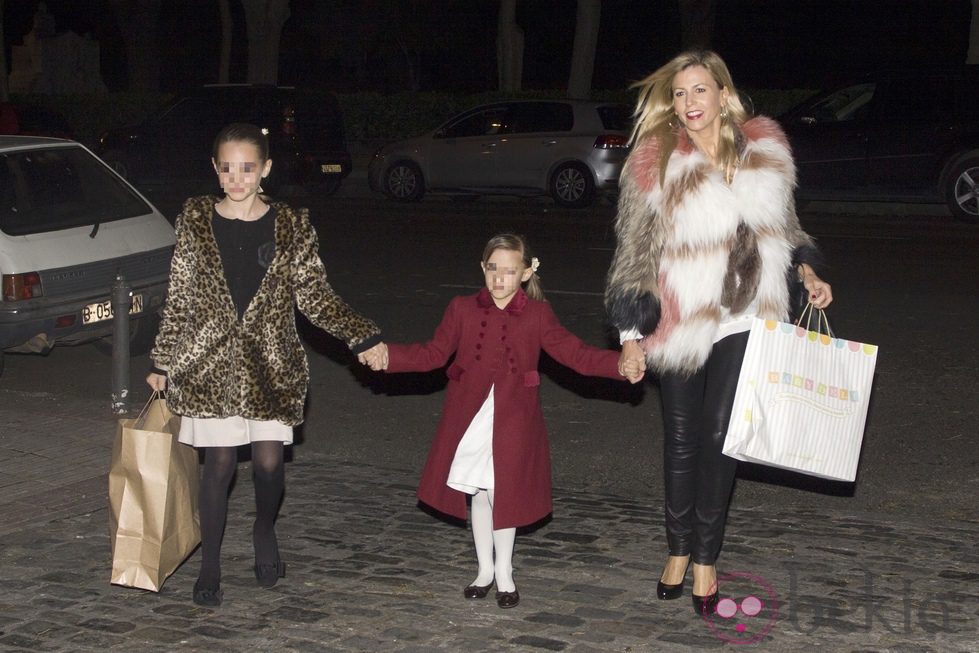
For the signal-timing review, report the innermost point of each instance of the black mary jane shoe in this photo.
(666, 592)
(508, 599)
(477, 591)
(705, 605)
(209, 597)
(268, 574)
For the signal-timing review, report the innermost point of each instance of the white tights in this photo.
(487, 540)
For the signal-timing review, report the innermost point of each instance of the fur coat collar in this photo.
(696, 250)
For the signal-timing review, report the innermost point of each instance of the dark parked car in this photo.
(568, 149)
(911, 136)
(306, 136)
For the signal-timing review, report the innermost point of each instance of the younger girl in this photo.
(491, 441)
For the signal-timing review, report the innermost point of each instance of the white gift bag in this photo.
(801, 401)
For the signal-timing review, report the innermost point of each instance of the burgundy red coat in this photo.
(500, 348)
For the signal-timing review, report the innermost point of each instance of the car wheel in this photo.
(403, 182)
(962, 190)
(572, 186)
(119, 162)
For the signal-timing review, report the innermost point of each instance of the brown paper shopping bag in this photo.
(153, 482)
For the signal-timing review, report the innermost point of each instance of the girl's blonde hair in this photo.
(654, 113)
(515, 243)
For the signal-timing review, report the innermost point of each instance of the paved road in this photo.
(885, 564)
(369, 571)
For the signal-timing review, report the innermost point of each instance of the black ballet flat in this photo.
(705, 605)
(268, 574)
(209, 597)
(508, 599)
(477, 591)
(666, 592)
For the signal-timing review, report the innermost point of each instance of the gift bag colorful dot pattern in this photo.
(801, 402)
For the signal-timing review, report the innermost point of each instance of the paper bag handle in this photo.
(141, 418)
(822, 322)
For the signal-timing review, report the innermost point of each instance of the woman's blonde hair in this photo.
(654, 113)
(515, 243)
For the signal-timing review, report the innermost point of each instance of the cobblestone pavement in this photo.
(369, 571)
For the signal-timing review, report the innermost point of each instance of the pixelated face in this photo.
(504, 272)
(747, 611)
(240, 170)
(697, 99)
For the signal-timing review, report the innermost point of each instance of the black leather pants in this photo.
(699, 478)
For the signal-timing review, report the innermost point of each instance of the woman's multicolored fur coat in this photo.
(695, 249)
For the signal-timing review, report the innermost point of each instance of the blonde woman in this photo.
(707, 238)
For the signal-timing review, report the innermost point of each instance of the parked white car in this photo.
(68, 226)
(571, 150)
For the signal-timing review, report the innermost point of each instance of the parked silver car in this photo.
(568, 149)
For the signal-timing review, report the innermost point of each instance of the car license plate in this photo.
(101, 311)
(331, 167)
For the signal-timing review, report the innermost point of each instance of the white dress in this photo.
(231, 431)
(472, 466)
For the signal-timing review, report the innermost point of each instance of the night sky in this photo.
(358, 45)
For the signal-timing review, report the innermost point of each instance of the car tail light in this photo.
(288, 120)
(611, 142)
(26, 285)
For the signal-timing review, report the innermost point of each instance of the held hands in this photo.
(632, 361)
(376, 357)
(820, 292)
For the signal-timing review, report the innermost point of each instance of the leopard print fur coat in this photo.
(255, 367)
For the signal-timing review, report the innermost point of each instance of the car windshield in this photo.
(846, 104)
(59, 188)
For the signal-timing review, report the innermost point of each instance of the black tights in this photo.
(268, 472)
(699, 478)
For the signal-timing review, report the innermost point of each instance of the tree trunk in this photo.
(696, 24)
(509, 48)
(264, 19)
(138, 23)
(973, 55)
(585, 43)
(224, 67)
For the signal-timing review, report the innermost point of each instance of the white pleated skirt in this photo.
(231, 431)
(472, 466)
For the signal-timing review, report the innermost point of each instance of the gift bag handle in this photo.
(822, 322)
(141, 418)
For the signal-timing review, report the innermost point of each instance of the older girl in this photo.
(228, 352)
